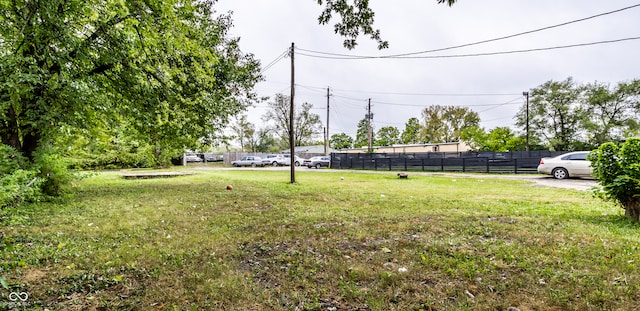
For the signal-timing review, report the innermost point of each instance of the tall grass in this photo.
(363, 241)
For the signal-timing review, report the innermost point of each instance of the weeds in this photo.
(365, 242)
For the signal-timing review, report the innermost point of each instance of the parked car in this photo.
(248, 161)
(192, 158)
(572, 164)
(273, 159)
(317, 162)
(287, 160)
(210, 157)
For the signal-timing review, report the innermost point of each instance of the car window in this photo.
(578, 157)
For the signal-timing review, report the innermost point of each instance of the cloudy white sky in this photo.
(400, 88)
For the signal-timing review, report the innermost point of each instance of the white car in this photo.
(287, 160)
(572, 164)
(273, 159)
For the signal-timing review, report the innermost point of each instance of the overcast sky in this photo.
(401, 88)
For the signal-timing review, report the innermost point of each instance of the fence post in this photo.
(442, 164)
(515, 166)
(389, 163)
(422, 162)
(464, 163)
(487, 165)
(405, 164)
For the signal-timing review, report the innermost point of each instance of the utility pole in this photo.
(291, 125)
(326, 134)
(369, 117)
(526, 95)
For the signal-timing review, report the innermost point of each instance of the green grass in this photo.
(368, 242)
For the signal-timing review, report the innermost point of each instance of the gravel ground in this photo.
(582, 184)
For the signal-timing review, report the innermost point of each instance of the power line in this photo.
(503, 104)
(488, 53)
(275, 61)
(402, 55)
(463, 105)
(322, 90)
(431, 94)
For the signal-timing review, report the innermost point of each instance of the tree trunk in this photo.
(632, 208)
(30, 143)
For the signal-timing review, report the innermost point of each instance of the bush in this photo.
(617, 169)
(18, 183)
(11, 160)
(19, 187)
(53, 172)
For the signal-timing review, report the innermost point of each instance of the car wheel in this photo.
(560, 173)
(253, 165)
(297, 163)
(274, 163)
(318, 166)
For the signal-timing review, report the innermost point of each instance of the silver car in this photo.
(248, 161)
(572, 164)
(317, 162)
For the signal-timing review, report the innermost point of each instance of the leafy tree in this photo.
(165, 68)
(307, 124)
(261, 141)
(264, 141)
(554, 114)
(362, 134)
(611, 113)
(341, 141)
(243, 130)
(355, 18)
(114, 146)
(475, 137)
(501, 139)
(445, 123)
(617, 169)
(411, 133)
(387, 136)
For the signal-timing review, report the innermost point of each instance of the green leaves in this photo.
(341, 141)
(566, 115)
(445, 123)
(356, 17)
(164, 71)
(617, 169)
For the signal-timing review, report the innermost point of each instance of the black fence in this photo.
(477, 162)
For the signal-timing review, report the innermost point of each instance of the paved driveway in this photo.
(572, 183)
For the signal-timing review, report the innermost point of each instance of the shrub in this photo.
(11, 160)
(617, 169)
(18, 183)
(53, 172)
(18, 187)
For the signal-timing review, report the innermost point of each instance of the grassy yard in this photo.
(365, 242)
